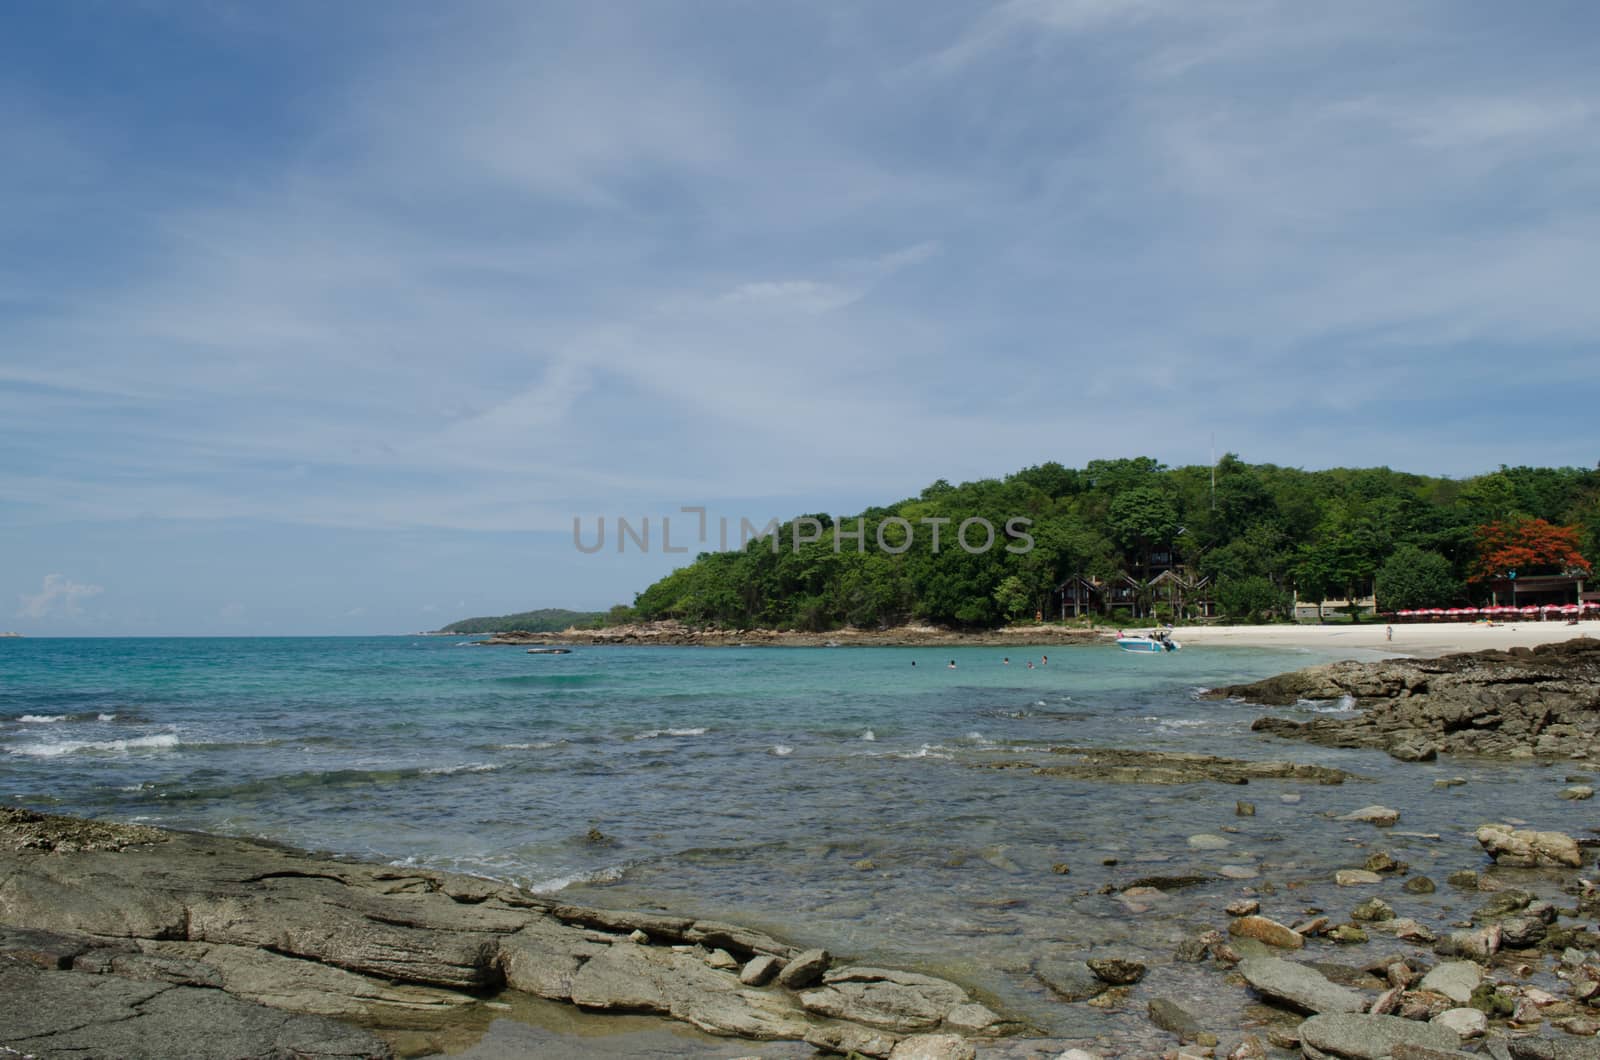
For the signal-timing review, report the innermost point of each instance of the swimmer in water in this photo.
(952, 665)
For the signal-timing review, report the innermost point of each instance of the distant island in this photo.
(10, 634)
(544, 620)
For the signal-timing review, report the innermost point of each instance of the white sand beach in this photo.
(1424, 639)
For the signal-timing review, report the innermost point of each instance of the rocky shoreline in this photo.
(119, 940)
(679, 634)
(1522, 703)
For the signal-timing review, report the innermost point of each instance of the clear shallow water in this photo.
(832, 795)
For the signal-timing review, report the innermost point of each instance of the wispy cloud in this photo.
(58, 596)
(484, 271)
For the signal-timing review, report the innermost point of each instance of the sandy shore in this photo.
(1421, 639)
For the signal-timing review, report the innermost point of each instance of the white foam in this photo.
(472, 767)
(869, 736)
(561, 883)
(537, 745)
(41, 719)
(107, 717)
(159, 742)
(781, 749)
(656, 733)
(1184, 723)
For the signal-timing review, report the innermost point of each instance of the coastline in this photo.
(1419, 640)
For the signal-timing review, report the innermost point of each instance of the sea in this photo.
(838, 797)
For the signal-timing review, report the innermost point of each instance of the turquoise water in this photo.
(833, 795)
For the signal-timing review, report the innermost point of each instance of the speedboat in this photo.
(1148, 644)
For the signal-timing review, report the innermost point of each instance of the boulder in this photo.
(1524, 848)
(1355, 1036)
(1298, 986)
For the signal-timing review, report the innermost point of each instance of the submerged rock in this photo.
(1119, 766)
(1299, 986)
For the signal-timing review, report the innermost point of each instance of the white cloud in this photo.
(58, 597)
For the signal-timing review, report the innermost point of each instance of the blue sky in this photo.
(328, 318)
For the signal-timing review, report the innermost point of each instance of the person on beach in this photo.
(1388, 633)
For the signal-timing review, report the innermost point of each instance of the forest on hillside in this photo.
(1258, 532)
(545, 620)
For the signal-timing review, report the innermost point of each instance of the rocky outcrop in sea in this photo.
(1525, 702)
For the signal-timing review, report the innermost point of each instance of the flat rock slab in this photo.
(55, 1013)
(1351, 1036)
(261, 945)
(1456, 980)
(1299, 986)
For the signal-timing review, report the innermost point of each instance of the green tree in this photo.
(1413, 577)
(1254, 599)
(1013, 598)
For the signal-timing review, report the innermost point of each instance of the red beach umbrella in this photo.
(1531, 609)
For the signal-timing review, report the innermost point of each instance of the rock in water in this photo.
(1354, 1036)
(1456, 980)
(1172, 1017)
(1071, 980)
(1116, 971)
(1265, 929)
(1381, 816)
(1356, 878)
(1542, 702)
(1299, 986)
(1524, 848)
(1466, 1022)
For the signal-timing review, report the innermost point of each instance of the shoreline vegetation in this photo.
(1421, 640)
(1133, 537)
(117, 938)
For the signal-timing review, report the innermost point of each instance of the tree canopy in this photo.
(1260, 534)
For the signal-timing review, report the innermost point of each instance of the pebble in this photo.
(1356, 877)
(1244, 809)
(1243, 907)
(1418, 885)
(1205, 841)
(1238, 872)
(1577, 792)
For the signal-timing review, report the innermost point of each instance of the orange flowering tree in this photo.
(1529, 546)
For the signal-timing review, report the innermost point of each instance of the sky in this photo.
(331, 318)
